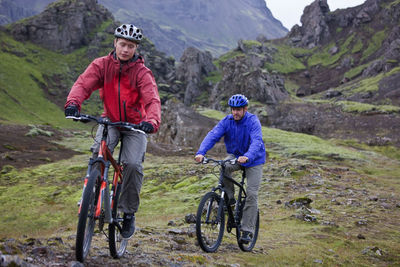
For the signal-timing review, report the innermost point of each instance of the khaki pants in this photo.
(132, 157)
(253, 176)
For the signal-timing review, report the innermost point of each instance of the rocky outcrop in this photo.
(64, 26)
(314, 30)
(244, 74)
(319, 24)
(181, 126)
(192, 68)
(329, 121)
(162, 67)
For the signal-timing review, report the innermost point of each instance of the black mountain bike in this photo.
(99, 203)
(210, 219)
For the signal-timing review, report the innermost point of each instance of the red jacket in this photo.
(129, 91)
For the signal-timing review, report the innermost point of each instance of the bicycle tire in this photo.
(87, 221)
(210, 231)
(116, 243)
(249, 247)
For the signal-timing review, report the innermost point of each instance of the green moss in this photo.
(291, 87)
(357, 46)
(35, 131)
(366, 85)
(227, 56)
(251, 43)
(363, 108)
(289, 144)
(214, 77)
(52, 191)
(391, 5)
(211, 113)
(354, 72)
(374, 44)
(285, 61)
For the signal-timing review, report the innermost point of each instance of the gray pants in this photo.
(132, 157)
(253, 175)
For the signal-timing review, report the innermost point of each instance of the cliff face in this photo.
(11, 11)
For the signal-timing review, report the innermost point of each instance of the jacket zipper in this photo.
(119, 91)
(126, 118)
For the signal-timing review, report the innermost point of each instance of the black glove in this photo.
(71, 110)
(146, 127)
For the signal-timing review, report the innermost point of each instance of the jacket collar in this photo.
(135, 58)
(242, 120)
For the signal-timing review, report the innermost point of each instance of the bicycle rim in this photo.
(116, 242)
(249, 247)
(86, 222)
(210, 221)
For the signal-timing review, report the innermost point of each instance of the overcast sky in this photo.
(290, 11)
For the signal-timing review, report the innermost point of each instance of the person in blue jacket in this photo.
(243, 140)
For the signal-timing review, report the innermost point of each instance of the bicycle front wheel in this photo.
(116, 242)
(87, 221)
(248, 247)
(210, 221)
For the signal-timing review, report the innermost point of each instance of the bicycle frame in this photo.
(98, 203)
(242, 195)
(210, 218)
(105, 159)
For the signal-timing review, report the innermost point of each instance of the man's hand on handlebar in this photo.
(242, 159)
(71, 111)
(199, 158)
(146, 127)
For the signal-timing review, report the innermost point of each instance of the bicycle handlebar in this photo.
(219, 162)
(100, 120)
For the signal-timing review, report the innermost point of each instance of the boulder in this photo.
(64, 26)
(240, 76)
(194, 65)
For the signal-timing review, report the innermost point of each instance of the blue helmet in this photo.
(237, 101)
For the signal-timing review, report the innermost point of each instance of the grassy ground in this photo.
(354, 191)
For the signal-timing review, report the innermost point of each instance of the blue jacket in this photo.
(242, 138)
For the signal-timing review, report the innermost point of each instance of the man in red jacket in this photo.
(129, 93)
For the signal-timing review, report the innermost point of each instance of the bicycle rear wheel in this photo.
(248, 247)
(116, 242)
(210, 221)
(87, 220)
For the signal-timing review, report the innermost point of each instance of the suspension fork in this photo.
(89, 169)
(104, 190)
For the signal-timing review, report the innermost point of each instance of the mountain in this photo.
(174, 25)
(336, 76)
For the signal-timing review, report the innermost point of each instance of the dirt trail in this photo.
(20, 150)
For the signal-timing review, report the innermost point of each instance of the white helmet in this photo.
(129, 32)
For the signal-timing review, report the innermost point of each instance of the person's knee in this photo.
(251, 197)
(136, 166)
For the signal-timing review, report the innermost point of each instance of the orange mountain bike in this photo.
(99, 203)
